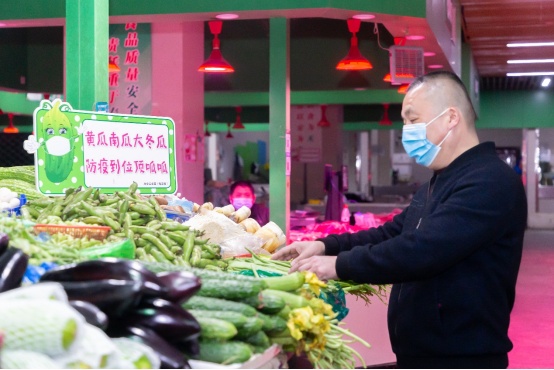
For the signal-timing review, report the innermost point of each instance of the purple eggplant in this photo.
(170, 357)
(189, 346)
(166, 318)
(13, 263)
(181, 285)
(4, 242)
(107, 269)
(113, 297)
(92, 314)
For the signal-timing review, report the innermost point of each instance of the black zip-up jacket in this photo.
(453, 256)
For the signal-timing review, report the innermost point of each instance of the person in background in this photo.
(241, 194)
(453, 254)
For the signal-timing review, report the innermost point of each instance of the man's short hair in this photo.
(242, 183)
(431, 77)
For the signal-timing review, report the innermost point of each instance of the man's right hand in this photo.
(300, 251)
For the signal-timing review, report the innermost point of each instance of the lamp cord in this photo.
(376, 32)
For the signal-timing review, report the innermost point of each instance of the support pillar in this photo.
(86, 52)
(279, 122)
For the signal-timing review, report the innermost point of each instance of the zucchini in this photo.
(260, 339)
(266, 302)
(215, 304)
(272, 323)
(251, 327)
(216, 328)
(230, 289)
(224, 352)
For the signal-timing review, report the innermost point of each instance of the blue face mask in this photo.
(416, 144)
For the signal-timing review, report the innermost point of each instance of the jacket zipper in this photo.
(429, 191)
(427, 200)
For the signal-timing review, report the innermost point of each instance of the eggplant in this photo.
(92, 314)
(170, 357)
(113, 297)
(107, 269)
(189, 346)
(181, 285)
(166, 318)
(4, 242)
(13, 264)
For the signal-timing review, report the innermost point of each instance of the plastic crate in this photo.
(76, 231)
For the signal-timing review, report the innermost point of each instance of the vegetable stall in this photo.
(113, 269)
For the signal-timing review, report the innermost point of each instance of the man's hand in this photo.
(299, 251)
(322, 266)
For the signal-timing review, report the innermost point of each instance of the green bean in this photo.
(159, 256)
(159, 244)
(143, 209)
(188, 248)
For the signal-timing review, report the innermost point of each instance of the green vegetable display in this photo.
(129, 215)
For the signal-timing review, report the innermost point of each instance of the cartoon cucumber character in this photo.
(59, 143)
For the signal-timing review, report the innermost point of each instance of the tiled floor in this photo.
(532, 322)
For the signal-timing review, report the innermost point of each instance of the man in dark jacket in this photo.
(453, 254)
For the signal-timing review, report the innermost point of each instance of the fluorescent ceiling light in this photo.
(227, 16)
(528, 44)
(363, 17)
(524, 61)
(517, 74)
(546, 82)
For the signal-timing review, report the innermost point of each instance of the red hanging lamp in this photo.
(238, 123)
(323, 121)
(354, 60)
(229, 134)
(11, 129)
(215, 62)
(403, 89)
(385, 121)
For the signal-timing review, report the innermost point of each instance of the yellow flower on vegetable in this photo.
(314, 283)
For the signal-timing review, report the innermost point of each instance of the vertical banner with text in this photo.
(130, 48)
(306, 139)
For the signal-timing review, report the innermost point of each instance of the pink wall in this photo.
(178, 93)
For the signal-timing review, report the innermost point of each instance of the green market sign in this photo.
(102, 150)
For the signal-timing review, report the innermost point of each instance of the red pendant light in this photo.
(403, 88)
(323, 121)
(11, 129)
(238, 123)
(229, 134)
(215, 62)
(387, 78)
(385, 121)
(354, 60)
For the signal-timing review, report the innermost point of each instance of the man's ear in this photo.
(454, 117)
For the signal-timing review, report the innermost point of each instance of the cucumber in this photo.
(260, 339)
(272, 323)
(235, 318)
(224, 352)
(251, 327)
(215, 304)
(216, 328)
(266, 302)
(230, 289)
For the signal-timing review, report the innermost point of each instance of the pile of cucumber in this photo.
(238, 316)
